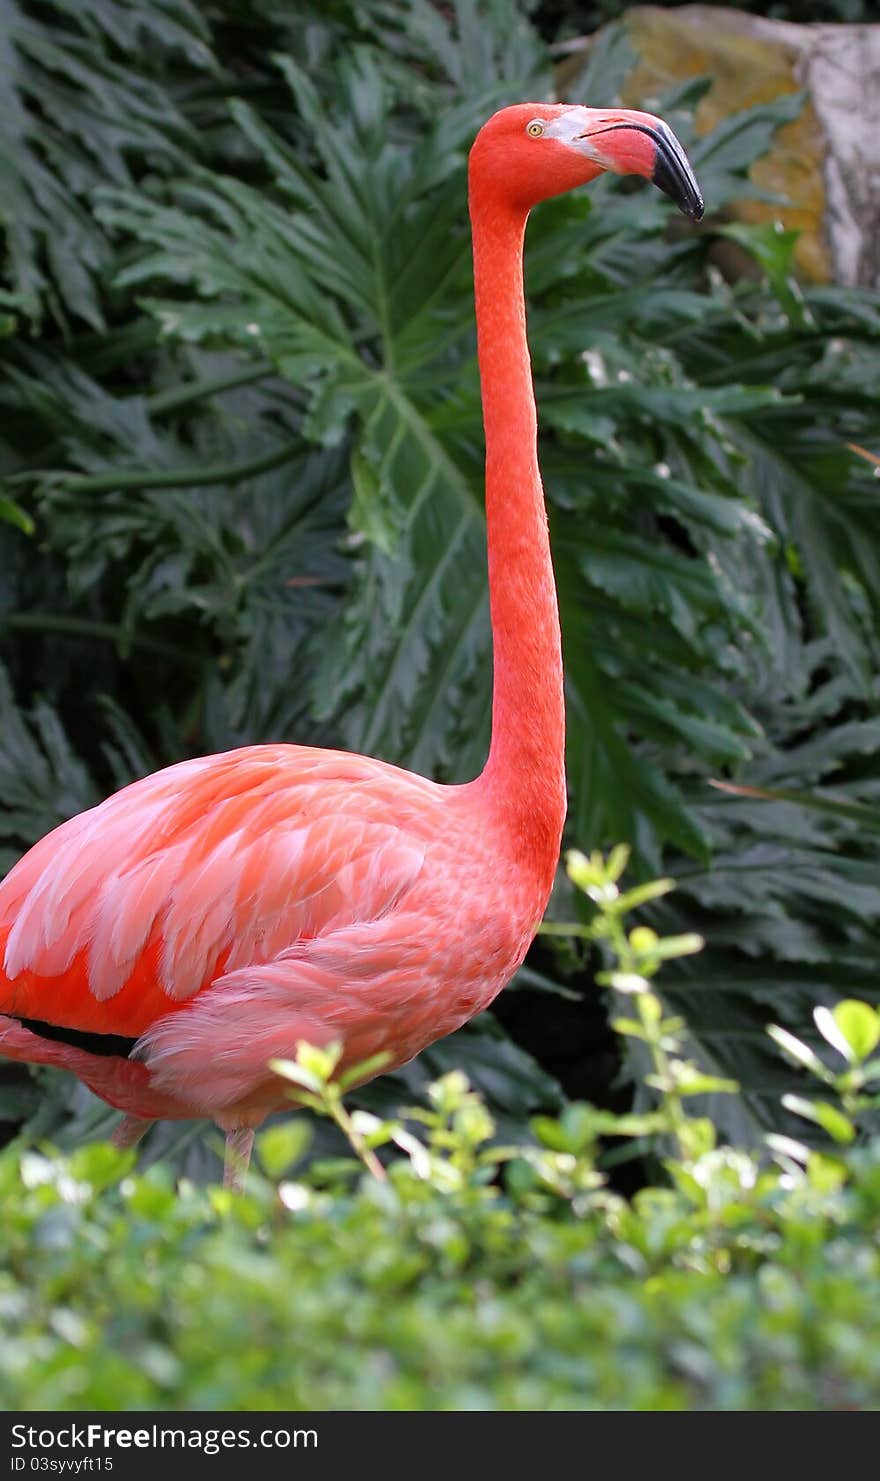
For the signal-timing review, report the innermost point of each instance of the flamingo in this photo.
(169, 943)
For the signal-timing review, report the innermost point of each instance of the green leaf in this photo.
(279, 1147)
(689, 1081)
(15, 515)
(722, 157)
(298, 1074)
(363, 1071)
(787, 1149)
(827, 1116)
(798, 1051)
(852, 1027)
(867, 816)
(773, 247)
(317, 1063)
(82, 101)
(630, 1028)
(42, 779)
(676, 946)
(641, 894)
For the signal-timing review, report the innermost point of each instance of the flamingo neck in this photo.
(524, 777)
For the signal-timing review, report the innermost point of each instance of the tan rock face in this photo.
(826, 162)
(842, 72)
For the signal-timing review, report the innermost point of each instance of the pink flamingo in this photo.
(166, 945)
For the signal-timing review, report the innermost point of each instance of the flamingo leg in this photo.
(238, 1155)
(129, 1131)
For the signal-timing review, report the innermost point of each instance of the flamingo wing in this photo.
(369, 984)
(126, 912)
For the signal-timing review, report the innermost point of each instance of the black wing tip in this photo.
(112, 1045)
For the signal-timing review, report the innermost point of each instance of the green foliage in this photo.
(638, 956)
(852, 1028)
(459, 1271)
(242, 472)
(735, 1292)
(82, 99)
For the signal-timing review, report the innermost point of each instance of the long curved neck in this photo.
(524, 777)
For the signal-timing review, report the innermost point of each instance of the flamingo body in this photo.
(166, 945)
(225, 908)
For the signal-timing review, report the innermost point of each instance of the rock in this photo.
(826, 162)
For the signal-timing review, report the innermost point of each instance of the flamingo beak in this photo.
(673, 173)
(670, 169)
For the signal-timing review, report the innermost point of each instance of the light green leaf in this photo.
(852, 1027)
(801, 1053)
(279, 1147)
(823, 1114)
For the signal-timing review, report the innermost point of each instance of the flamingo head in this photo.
(535, 150)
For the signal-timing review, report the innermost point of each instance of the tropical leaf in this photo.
(75, 114)
(242, 489)
(42, 780)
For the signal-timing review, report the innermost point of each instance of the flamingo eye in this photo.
(535, 129)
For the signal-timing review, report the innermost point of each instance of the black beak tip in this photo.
(679, 184)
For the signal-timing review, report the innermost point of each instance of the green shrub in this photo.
(737, 1288)
(465, 1273)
